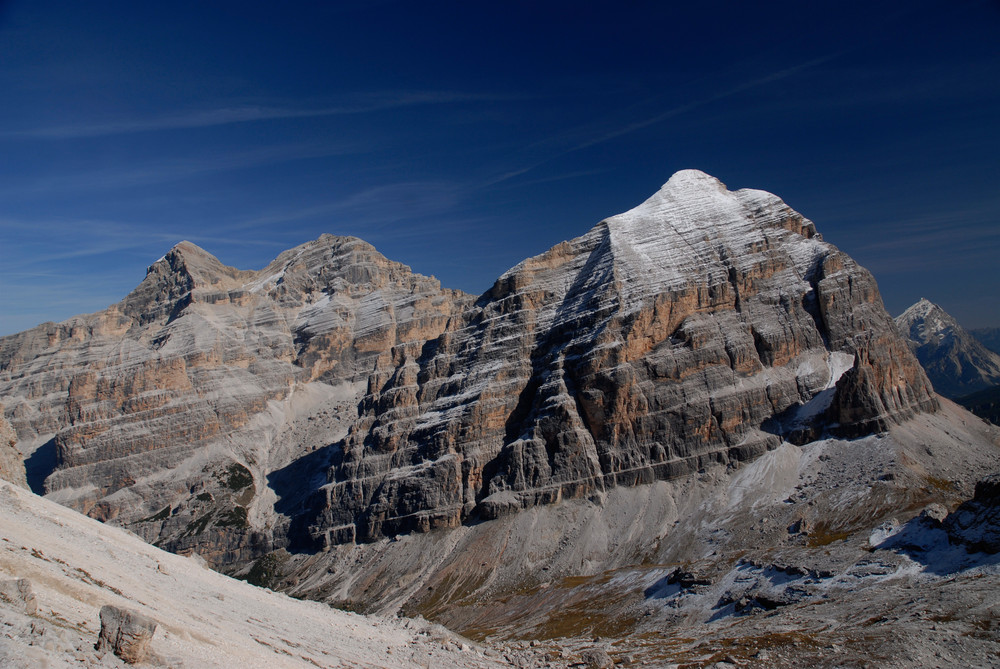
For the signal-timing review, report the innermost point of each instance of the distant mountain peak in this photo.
(919, 309)
(956, 363)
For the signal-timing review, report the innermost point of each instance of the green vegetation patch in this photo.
(236, 517)
(237, 477)
(266, 569)
(162, 514)
(198, 525)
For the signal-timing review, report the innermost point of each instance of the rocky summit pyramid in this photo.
(701, 326)
(697, 410)
(956, 363)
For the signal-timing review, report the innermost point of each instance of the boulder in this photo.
(125, 633)
(596, 658)
(976, 523)
(11, 460)
(19, 593)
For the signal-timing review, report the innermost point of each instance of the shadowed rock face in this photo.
(976, 523)
(701, 327)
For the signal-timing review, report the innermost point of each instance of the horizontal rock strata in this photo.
(683, 332)
(145, 408)
(336, 396)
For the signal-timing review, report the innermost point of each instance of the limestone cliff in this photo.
(335, 396)
(702, 326)
(167, 411)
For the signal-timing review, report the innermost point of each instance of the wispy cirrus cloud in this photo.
(593, 134)
(386, 203)
(69, 239)
(249, 113)
(66, 239)
(176, 169)
(742, 87)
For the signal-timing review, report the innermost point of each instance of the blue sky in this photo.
(461, 137)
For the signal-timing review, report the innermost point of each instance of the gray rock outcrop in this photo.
(976, 523)
(125, 633)
(11, 460)
(19, 593)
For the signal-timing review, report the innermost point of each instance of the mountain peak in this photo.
(692, 179)
(686, 186)
(184, 246)
(956, 363)
(184, 268)
(188, 258)
(920, 309)
(694, 226)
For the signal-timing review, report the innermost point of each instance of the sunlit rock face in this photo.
(167, 411)
(336, 396)
(701, 327)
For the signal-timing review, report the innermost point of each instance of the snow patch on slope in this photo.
(687, 229)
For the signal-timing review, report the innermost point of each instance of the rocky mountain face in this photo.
(957, 363)
(166, 411)
(988, 337)
(976, 523)
(696, 412)
(336, 397)
(702, 326)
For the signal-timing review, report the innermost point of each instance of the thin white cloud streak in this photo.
(248, 114)
(96, 248)
(86, 238)
(176, 170)
(961, 238)
(608, 135)
(377, 205)
(695, 104)
(556, 177)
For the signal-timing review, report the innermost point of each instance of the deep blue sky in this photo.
(461, 137)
